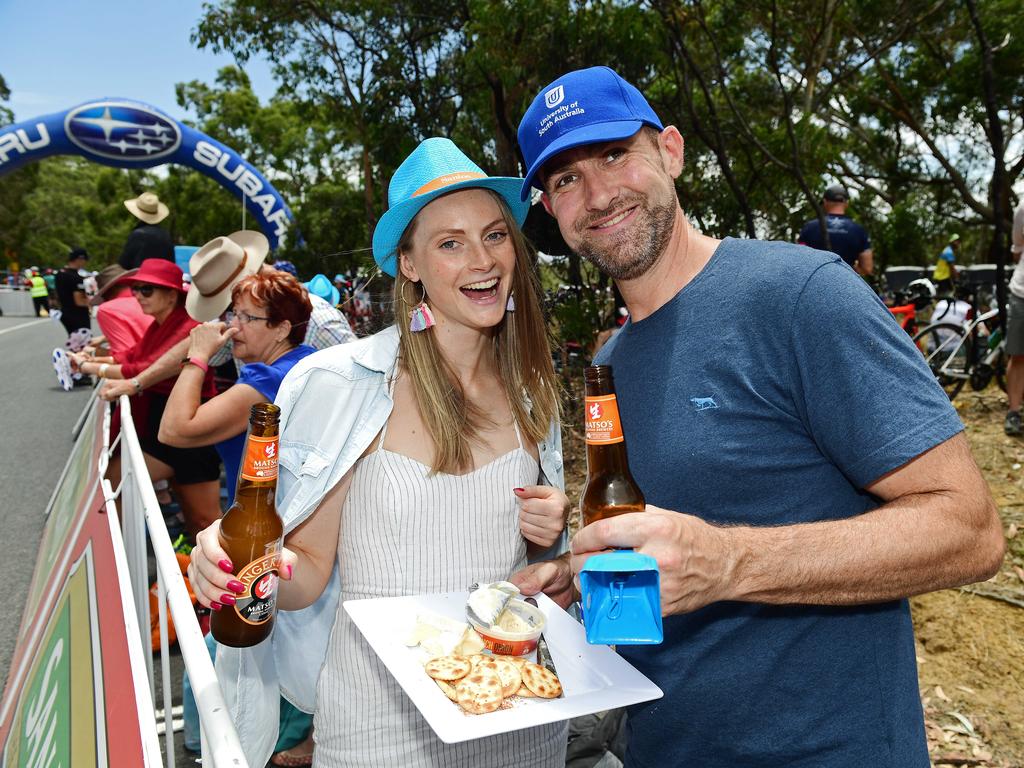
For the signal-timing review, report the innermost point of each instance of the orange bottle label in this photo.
(256, 604)
(603, 423)
(259, 463)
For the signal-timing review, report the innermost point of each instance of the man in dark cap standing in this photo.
(846, 237)
(147, 240)
(74, 304)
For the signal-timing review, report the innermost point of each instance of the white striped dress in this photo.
(404, 532)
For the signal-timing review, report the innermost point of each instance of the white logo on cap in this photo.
(554, 97)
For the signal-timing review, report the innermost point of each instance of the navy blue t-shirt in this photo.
(769, 391)
(847, 238)
(265, 379)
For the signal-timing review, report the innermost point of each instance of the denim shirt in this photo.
(333, 404)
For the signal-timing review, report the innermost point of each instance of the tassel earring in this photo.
(510, 305)
(420, 318)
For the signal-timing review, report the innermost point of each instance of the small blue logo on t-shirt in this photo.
(703, 403)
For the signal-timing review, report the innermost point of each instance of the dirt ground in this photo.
(970, 643)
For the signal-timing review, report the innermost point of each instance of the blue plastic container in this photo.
(621, 599)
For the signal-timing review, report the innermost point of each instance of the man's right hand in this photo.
(212, 574)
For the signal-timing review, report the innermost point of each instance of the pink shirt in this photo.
(123, 322)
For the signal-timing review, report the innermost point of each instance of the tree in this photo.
(6, 115)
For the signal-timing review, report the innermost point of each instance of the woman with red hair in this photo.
(266, 322)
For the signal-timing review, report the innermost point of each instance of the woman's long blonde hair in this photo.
(521, 350)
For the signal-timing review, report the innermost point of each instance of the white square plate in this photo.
(594, 678)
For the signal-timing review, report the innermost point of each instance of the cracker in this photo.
(479, 692)
(541, 681)
(448, 690)
(517, 660)
(448, 667)
(525, 692)
(476, 658)
(507, 672)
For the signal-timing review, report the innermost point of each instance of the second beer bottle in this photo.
(610, 489)
(251, 533)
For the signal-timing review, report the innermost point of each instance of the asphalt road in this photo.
(36, 417)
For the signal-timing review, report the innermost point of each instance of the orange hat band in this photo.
(447, 180)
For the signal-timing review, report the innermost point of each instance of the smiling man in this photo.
(791, 521)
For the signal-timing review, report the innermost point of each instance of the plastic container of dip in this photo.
(507, 643)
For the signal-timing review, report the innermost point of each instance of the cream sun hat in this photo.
(217, 267)
(148, 208)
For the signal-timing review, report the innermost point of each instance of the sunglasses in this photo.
(144, 290)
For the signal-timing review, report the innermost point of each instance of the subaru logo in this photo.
(122, 131)
(554, 97)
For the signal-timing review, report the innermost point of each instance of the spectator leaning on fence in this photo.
(157, 286)
(791, 518)
(1015, 330)
(326, 327)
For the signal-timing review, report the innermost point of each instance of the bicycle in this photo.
(907, 302)
(961, 353)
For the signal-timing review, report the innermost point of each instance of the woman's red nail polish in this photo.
(289, 571)
(227, 599)
(518, 490)
(226, 566)
(236, 586)
(215, 605)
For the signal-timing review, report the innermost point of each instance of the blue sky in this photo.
(58, 53)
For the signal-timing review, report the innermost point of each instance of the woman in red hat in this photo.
(157, 286)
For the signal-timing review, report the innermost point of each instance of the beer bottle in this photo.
(610, 489)
(250, 533)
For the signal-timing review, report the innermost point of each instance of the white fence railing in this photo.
(140, 512)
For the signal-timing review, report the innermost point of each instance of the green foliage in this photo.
(916, 105)
(69, 202)
(6, 116)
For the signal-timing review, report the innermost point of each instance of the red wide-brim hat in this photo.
(160, 272)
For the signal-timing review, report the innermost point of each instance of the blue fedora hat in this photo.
(320, 286)
(436, 167)
(587, 106)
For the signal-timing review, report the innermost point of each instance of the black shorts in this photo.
(190, 465)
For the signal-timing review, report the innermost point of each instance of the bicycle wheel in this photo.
(948, 353)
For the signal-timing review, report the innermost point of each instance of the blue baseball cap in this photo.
(582, 107)
(436, 167)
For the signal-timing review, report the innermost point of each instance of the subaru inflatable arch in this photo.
(129, 134)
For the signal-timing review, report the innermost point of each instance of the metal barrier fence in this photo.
(140, 512)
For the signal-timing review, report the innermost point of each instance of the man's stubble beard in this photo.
(632, 253)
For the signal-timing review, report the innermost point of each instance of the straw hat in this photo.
(218, 266)
(436, 167)
(148, 208)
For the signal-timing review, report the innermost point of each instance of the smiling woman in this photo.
(399, 449)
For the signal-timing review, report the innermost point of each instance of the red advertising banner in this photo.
(72, 696)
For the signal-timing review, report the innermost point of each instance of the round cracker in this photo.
(448, 667)
(507, 672)
(479, 691)
(541, 681)
(476, 658)
(517, 660)
(448, 690)
(525, 692)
